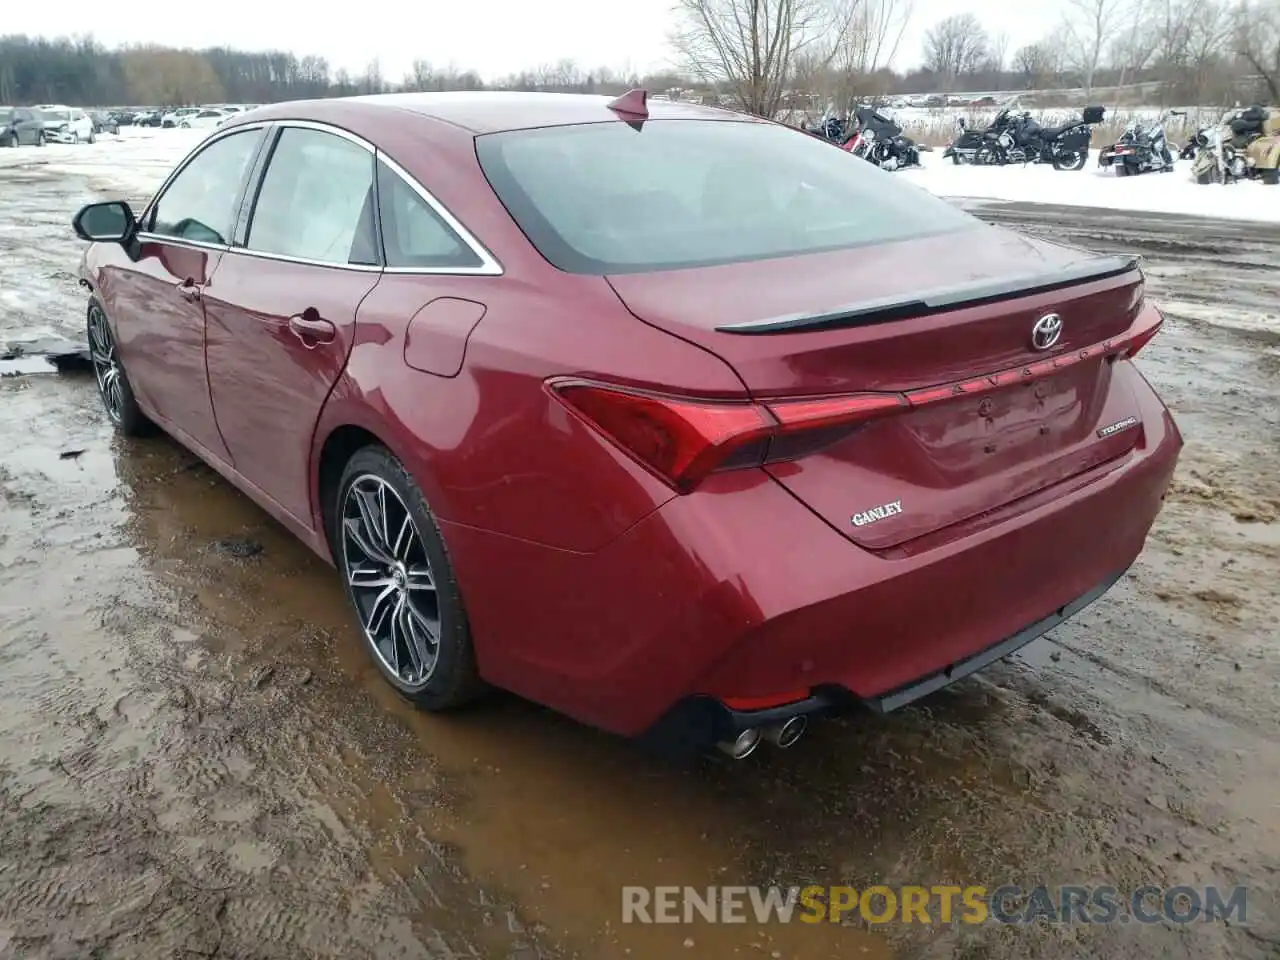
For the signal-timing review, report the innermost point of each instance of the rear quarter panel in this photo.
(490, 447)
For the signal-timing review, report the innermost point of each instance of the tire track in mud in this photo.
(158, 799)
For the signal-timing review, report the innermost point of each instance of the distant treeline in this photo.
(82, 72)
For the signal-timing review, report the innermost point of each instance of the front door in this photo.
(282, 309)
(156, 306)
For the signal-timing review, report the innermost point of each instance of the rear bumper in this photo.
(738, 591)
(698, 722)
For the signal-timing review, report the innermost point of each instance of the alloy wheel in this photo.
(106, 366)
(386, 566)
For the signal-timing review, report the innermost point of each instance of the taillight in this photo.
(1140, 337)
(683, 440)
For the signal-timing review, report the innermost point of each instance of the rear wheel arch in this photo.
(342, 443)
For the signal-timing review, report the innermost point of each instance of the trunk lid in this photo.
(906, 316)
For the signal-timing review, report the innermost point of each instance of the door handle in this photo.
(311, 328)
(189, 290)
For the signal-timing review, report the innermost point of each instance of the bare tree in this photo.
(1136, 40)
(749, 46)
(1257, 36)
(955, 46)
(420, 76)
(169, 77)
(870, 44)
(1038, 63)
(998, 53)
(371, 81)
(1087, 26)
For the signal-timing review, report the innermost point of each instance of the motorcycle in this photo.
(879, 140)
(1014, 137)
(832, 129)
(1245, 145)
(1141, 149)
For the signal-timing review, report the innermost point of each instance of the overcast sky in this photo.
(494, 37)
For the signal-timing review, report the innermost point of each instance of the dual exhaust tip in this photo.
(781, 735)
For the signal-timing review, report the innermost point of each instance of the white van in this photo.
(64, 124)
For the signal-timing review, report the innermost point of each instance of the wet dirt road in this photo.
(196, 759)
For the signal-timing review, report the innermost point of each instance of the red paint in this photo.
(607, 574)
(436, 340)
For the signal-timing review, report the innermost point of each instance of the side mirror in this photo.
(108, 222)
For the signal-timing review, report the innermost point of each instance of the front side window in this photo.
(316, 200)
(413, 234)
(200, 203)
(606, 198)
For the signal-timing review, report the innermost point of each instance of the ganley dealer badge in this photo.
(877, 513)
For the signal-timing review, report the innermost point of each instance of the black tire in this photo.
(40, 139)
(1071, 161)
(11, 140)
(92, 137)
(452, 679)
(120, 405)
(1270, 177)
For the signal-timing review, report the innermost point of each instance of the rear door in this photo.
(282, 305)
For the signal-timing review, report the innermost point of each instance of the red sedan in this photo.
(669, 418)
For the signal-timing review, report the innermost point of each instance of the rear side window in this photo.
(413, 234)
(316, 200)
(606, 198)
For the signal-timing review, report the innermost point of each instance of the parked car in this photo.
(64, 124)
(204, 120)
(104, 122)
(21, 125)
(148, 118)
(671, 418)
(174, 118)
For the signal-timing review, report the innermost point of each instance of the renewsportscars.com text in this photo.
(943, 904)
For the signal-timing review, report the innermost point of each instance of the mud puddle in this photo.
(196, 755)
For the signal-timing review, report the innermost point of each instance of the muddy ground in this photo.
(196, 758)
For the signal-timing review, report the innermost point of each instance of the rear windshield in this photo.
(606, 198)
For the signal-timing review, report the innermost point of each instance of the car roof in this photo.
(491, 111)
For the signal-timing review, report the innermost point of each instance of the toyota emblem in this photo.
(1046, 331)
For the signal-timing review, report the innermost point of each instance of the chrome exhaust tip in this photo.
(743, 745)
(786, 734)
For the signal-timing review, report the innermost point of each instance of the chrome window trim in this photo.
(200, 148)
(147, 237)
(489, 265)
(304, 261)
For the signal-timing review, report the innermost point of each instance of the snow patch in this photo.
(1174, 192)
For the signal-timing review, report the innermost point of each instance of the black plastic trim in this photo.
(890, 309)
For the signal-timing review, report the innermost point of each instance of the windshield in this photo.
(606, 198)
(57, 115)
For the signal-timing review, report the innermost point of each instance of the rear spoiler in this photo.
(888, 309)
